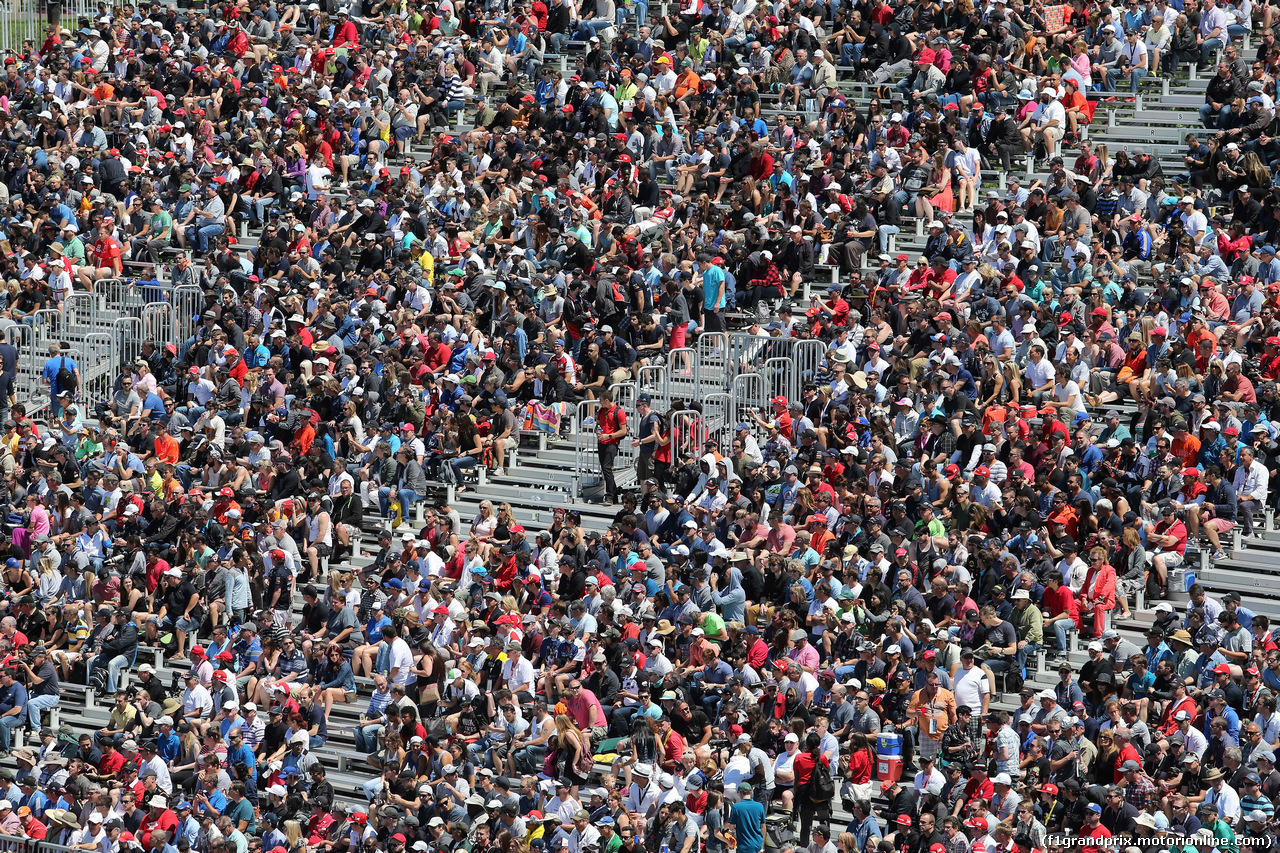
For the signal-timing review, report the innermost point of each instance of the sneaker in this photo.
(497, 472)
(1218, 555)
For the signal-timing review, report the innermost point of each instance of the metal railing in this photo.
(18, 844)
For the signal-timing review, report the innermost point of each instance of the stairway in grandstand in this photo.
(728, 374)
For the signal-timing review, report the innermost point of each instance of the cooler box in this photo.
(888, 768)
(888, 745)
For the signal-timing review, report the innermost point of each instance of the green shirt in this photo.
(161, 224)
(74, 250)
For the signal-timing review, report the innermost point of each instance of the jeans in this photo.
(620, 719)
(587, 29)
(885, 231)
(850, 53)
(1210, 117)
(202, 234)
(529, 759)
(114, 666)
(37, 704)
(407, 497)
(608, 453)
(1023, 653)
(367, 737)
(452, 472)
(7, 725)
(1207, 48)
(1135, 76)
(1060, 628)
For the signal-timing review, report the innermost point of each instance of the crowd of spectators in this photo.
(804, 633)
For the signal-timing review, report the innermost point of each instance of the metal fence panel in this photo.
(688, 433)
(584, 443)
(157, 323)
(80, 311)
(808, 358)
(128, 335)
(188, 305)
(99, 369)
(624, 464)
(651, 379)
(719, 417)
(713, 363)
(24, 339)
(682, 375)
(780, 378)
(22, 20)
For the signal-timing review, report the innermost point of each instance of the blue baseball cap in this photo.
(12, 563)
(1094, 807)
(183, 805)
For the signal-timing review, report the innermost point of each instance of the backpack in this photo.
(66, 378)
(821, 788)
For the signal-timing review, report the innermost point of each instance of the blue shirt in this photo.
(51, 368)
(712, 298)
(255, 357)
(747, 818)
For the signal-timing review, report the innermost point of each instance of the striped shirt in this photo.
(378, 703)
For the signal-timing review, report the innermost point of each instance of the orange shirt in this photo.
(166, 448)
(1186, 448)
(686, 83)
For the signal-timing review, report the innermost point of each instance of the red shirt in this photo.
(168, 821)
(106, 253)
(1062, 601)
(611, 420)
(803, 765)
(672, 748)
(111, 763)
(1098, 833)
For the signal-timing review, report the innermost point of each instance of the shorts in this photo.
(323, 550)
(1172, 559)
(1054, 133)
(1220, 524)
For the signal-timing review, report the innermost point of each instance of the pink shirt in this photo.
(579, 708)
(39, 521)
(780, 540)
(806, 657)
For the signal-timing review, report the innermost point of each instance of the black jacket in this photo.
(121, 641)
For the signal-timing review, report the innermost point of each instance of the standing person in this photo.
(803, 766)
(747, 818)
(611, 427)
(60, 373)
(713, 292)
(649, 441)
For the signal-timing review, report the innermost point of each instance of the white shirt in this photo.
(1251, 484)
(401, 661)
(1135, 53)
(518, 674)
(970, 686)
(1227, 801)
(1052, 111)
(195, 698)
